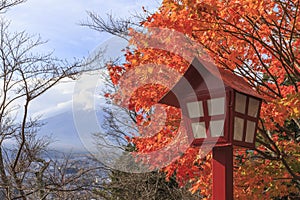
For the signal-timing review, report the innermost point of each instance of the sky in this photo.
(58, 22)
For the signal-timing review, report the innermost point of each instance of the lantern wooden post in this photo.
(222, 168)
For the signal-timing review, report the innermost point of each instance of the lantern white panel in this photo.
(253, 107)
(240, 103)
(199, 130)
(216, 106)
(250, 132)
(216, 128)
(195, 109)
(238, 129)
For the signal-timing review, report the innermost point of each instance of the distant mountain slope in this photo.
(63, 132)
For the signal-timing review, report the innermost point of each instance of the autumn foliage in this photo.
(258, 40)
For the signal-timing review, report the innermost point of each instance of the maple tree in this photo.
(258, 40)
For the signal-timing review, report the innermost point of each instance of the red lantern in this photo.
(212, 113)
(220, 108)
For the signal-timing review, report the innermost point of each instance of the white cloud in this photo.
(56, 100)
(82, 93)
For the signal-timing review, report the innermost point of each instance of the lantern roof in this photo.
(204, 77)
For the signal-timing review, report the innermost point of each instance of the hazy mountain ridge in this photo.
(63, 133)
